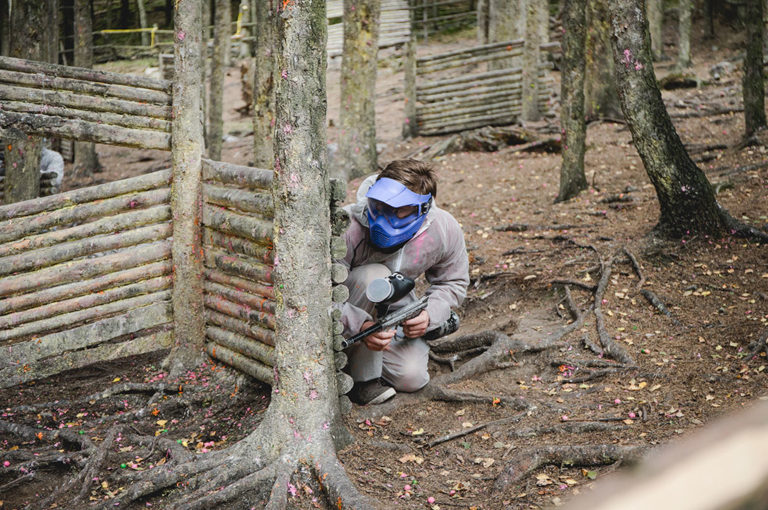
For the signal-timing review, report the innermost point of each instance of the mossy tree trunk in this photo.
(572, 178)
(143, 21)
(218, 74)
(601, 98)
(655, 12)
(753, 83)
(506, 20)
(684, 9)
(186, 188)
(357, 120)
(28, 31)
(86, 159)
(686, 199)
(53, 17)
(535, 19)
(264, 86)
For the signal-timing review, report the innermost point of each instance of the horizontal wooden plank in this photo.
(253, 228)
(244, 345)
(246, 365)
(241, 200)
(242, 176)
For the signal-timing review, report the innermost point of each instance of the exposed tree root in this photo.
(740, 229)
(610, 347)
(759, 346)
(455, 435)
(568, 427)
(530, 459)
(656, 302)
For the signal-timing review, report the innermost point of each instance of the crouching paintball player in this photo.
(396, 234)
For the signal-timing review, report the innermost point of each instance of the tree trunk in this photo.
(204, 71)
(601, 98)
(168, 11)
(54, 21)
(22, 155)
(685, 7)
(264, 86)
(5, 28)
(686, 199)
(483, 17)
(655, 9)
(186, 188)
(753, 87)
(572, 178)
(535, 18)
(506, 20)
(357, 120)
(125, 14)
(218, 74)
(86, 160)
(143, 22)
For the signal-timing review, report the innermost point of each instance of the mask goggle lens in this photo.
(398, 217)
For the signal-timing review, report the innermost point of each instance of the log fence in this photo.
(77, 103)
(459, 90)
(431, 16)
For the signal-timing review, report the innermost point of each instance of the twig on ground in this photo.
(502, 421)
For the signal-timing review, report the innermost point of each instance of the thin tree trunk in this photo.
(506, 20)
(125, 14)
(54, 21)
(22, 155)
(86, 160)
(186, 189)
(535, 17)
(601, 98)
(5, 28)
(686, 199)
(218, 74)
(204, 70)
(753, 83)
(572, 178)
(685, 7)
(264, 86)
(357, 143)
(143, 22)
(483, 17)
(655, 9)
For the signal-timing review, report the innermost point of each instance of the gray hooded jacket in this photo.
(437, 251)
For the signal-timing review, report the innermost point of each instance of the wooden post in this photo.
(410, 128)
(186, 190)
(535, 15)
(86, 159)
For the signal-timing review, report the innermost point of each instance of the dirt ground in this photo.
(690, 366)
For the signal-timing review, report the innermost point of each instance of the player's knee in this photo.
(412, 377)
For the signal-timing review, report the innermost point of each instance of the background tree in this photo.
(357, 120)
(572, 178)
(601, 98)
(52, 39)
(86, 159)
(143, 21)
(483, 17)
(125, 20)
(536, 21)
(506, 20)
(5, 28)
(684, 9)
(221, 42)
(753, 84)
(22, 155)
(264, 85)
(686, 199)
(655, 10)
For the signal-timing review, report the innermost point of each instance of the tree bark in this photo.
(572, 178)
(685, 7)
(601, 98)
(535, 18)
(186, 190)
(53, 17)
(506, 20)
(5, 28)
(22, 156)
(655, 10)
(264, 86)
(143, 22)
(753, 83)
(86, 160)
(218, 74)
(686, 199)
(483, 17)
(357, 143)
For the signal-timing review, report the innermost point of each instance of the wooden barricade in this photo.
(394, 25)
(237, 248)
(48, 185)
(77, 103)
(85, 276)
(465, 93)
(431, 16)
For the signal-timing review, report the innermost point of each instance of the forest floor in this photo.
(688, 367)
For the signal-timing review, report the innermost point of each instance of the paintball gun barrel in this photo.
(407, 312)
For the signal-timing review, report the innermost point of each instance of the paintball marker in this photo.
(383, 292)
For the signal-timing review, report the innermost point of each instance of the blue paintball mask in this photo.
(389, 228)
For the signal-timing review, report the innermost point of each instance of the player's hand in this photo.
(378, 341)
(417, 326)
